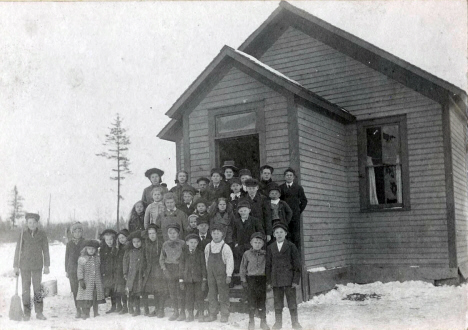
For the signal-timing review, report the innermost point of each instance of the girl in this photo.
(229, 170)
(153, 276)
(132, 270)
(201, 207)
(107, 253)
(192, 225)
(137, 215)
(154, 175)
(181, 184)
(222, 215)
(120, 294)
(90, 290)
(153, 210)
(72, 253)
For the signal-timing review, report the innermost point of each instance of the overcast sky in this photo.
(66, 69)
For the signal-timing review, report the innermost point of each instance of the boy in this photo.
(280, 210)
(34, 256)
(202, 185)
(265, 179)
(244, 227)
(108, 254)
(187, 205)
(155, 208)
(229, 170)
(170, 216)
(155, 176)
(192, 272)
(201, 207)
(283, 272)
(217, 188)
(294, 195)
(252, 274)
(244, 174)
(259, 206)
(72, 253)
(169, 261)
(219, 267)
(203, 224)
(236, 194)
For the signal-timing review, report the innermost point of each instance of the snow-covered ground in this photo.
(409, 305)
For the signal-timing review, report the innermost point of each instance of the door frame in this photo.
(254, 106)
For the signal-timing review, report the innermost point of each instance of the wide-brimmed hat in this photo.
(34, 216)
(229, 164)
(91, 243)
(273, 186)
(251, 182)
(279, 224)
(244, 171)
(154, 170)
(267, 167)
(203, 179)
(192, 235)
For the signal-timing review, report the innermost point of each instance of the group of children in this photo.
(187, 243)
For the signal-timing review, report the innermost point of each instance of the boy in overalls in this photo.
(219, 266)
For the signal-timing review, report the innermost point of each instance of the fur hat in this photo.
(244, 171)
(273, 186)
(108, 231)
(34, 216)
(135, 234)
(251, 182)
(91, 243)
(154, 170)
(236, 180)
(75, 226)
(267, 167)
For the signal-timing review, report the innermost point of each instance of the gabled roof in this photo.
(229, 57)
(378, 59)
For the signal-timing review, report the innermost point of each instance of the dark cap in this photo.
(273, 186)
(203, 219)
(35, 216)
(135, 234)
(289, 169)
(217, 170)
(244, 171)
(219, 227)
(236, 180)
(203, 201)
(243, 203)
(190, 236)
(124, 232)
(230, 164)
(251, 182)
(257, 235)
(154, 170)
(267, 167)
(188, 189)
(279, 224)
(203, 179)
(175, 226)
(91, 243)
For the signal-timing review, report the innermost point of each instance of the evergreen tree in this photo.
(17, 207)
(117, 142)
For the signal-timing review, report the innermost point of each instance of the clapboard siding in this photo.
(459, 143)
(322, 154)
(235, 88)
(326, 157)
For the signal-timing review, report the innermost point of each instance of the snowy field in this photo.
(409, 305)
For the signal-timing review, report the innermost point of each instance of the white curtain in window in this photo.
(398, 180)
(372, 187)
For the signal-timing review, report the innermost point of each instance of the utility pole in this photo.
(48, 218)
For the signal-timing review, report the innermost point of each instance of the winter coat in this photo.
(263, 187)
(243, 230)
(178, 191)
(136, 222)
(108, 259)
(192, 266)
(72, 253)
(153, 280)
(283, 268)
(260, 209)
(89, 271)
(152, 212)
(186, 209)
(295, 197)
(284, 212)
(166, 218)
(227, 221)
(190, 230)
(201, 246)
(223, 190)
(34, 251)
(132, 268)
(119, 279)
(147, 197)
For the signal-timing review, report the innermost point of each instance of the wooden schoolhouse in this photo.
(379, 146)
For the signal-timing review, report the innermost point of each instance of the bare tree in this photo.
(117, 142)
(17, 206)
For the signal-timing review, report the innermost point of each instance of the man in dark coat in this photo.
(34, 255)
(293, 194)
(218, 187)
(259, 205)
(283, 273)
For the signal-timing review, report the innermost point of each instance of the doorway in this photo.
(244, 150)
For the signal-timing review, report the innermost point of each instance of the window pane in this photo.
(390, 185)
(237, 122)
(390, 144)
(374, 145)
(384, 185)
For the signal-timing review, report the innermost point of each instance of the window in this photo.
(383, 164)
(234, 123)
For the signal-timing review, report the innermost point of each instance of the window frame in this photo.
(362, 126)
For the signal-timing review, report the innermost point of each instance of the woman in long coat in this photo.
(153, 276)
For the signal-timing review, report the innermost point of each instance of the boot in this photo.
(145, 305)
(251, 320)
(146, 310)
(263, 324)
(160, 314)
(124, 310)
(78, 313)
(190, 316)
(40, 316)
(85, 313)
(131, 310)
(175, 315)
(224, 318)
(113, 308)
(181, 315)
(278, 319)
(294, 319)
(119, 305)
(136, 311)
(211, 318)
